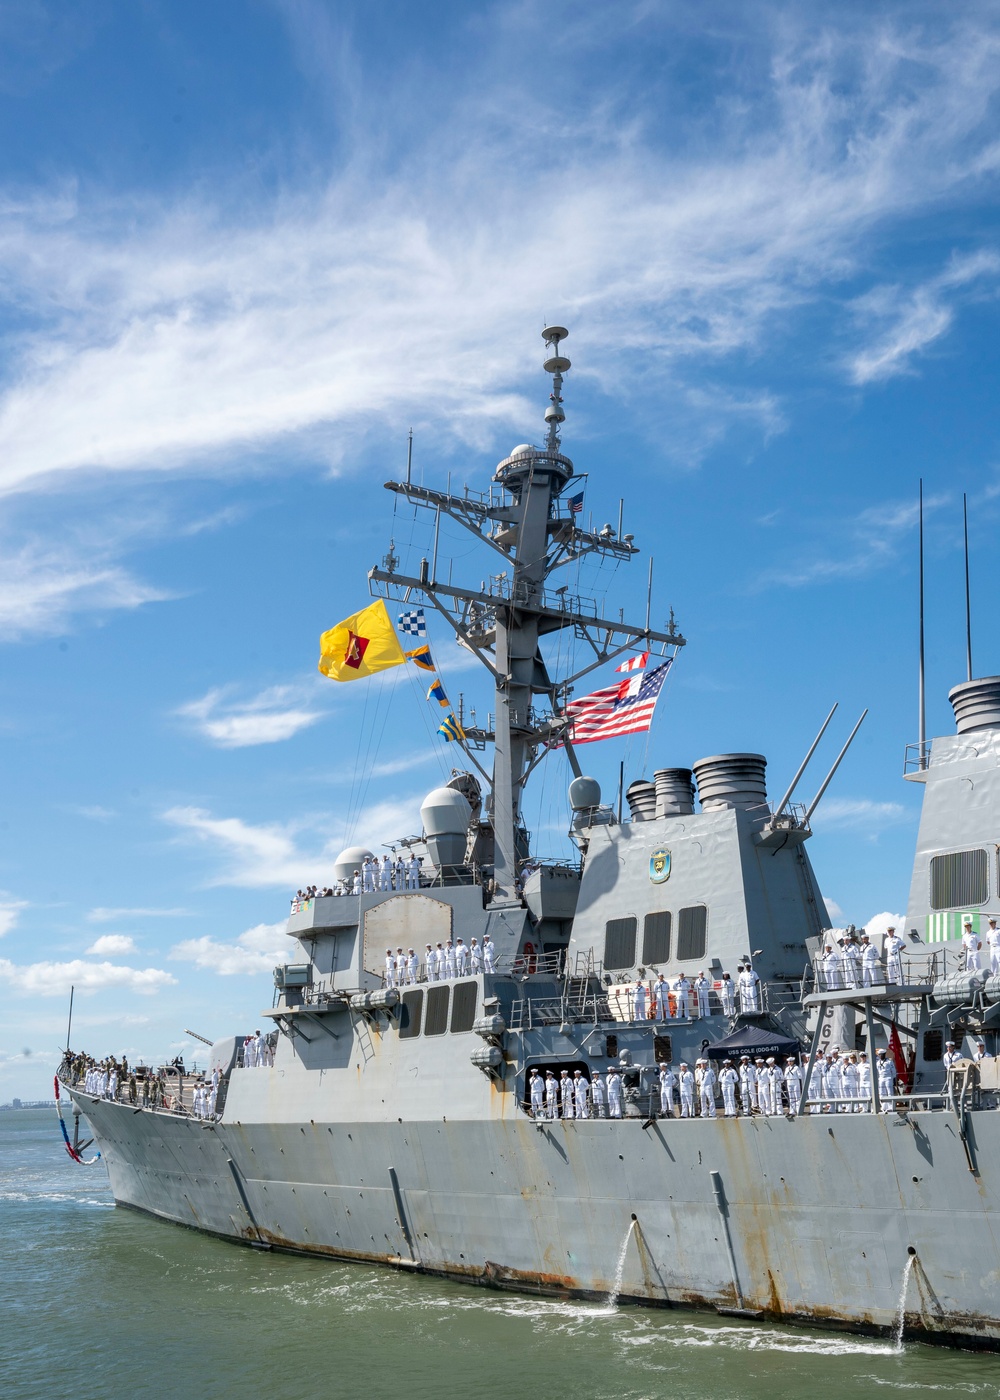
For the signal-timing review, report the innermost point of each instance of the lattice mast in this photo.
(502, 623)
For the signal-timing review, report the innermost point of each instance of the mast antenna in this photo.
(921, 705)
(556, 365)
(409, 457)
(968, 596)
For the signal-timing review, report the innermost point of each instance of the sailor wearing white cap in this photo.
(686, 1080)
(566, 1096)
(668, 1081)
(682, 992)
(993, 945)
(661, 991)
(438, 964)
(776, 1075)
(748, 1085)
(702, 987)
(864, 1083)
(835, 1079)
(639, 1002)
(849, 1078)
(449, 959)
(893, 956)
(385, 878)
(551, 1094)
(412, 967)
(793, 1084)
(475, 957)
(972, 946)
(728, 1079)
(951, 1056)
(727, 995)
(763, 1085)
(869, 962)
(413, 873)
(390, 968)
(886, 1070)
(487, 953)
(461, 958)
(707, 1090)
(597, 1095)
(581, 1092)
(614, 1093)
(537, 1090)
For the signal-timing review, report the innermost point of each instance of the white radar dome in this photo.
(350, 860)
(444, 812)
(521, 449)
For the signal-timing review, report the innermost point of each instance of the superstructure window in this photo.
(619, 943)
(463, 1006)
(656, 938)
(410, 1007)
(692, 926)
(436, 1019)
(958, 879)
(933, 1044)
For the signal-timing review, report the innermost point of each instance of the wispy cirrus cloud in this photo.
(103, 915)
(43, 588)
(111, 945)
(256, 950)
(165, 338)
(10, 912)
(273, 715)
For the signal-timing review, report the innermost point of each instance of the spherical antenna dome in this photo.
(350, 860)
(522, 449)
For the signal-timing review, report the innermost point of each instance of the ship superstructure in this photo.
(396, 1124)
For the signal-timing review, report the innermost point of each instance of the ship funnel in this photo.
(445, 815)
(642, 800)
(976, 704)
(674, 792)
(731, 780)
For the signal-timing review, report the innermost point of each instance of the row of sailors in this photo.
(682, 999)
(761, 1086)
(447, 960)
(973, 947)
(854, 962)
(258, 1052)
(204, 1096)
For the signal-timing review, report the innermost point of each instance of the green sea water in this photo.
(97, 1302)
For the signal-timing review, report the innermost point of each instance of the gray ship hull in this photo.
(822, 1213)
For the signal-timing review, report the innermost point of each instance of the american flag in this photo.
(575, 503)
(623, 708)
(634, 663)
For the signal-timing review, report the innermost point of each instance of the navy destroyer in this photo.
(396, 1113)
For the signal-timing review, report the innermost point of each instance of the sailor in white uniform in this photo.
(893, 957)
(727, 995)
(566, 1097)
(412, 968)
(597, 1094)
(728, 1079)
(951, 1056)
(390, 968)
(993, 946)
(661, 991)
(979, 1051)
(461, 959)
(793, 1084)
(864, 1083)
(430, 957)
(763, 1086)
(702, 987)
(830, 973)
(886, 1070)
(488, 954)
(413, 874)
(400, 967)
(614, 1093)
(536, 1089)
(249, 1062)
(356, 882)
(551, 1094)
(869, 963)
(835, 1079)
(850, 1079)
(707, 1090)
(777, 1077)
(438, 965)
(972, 946)
(851, 963)
(385, 880)
(686, 1081)
(748, 1085)
(639, 1002)
(748, 982)
(369, 868)
(581, 1092)
(475, 957)
(682, 993)
(449, 959)
(668, 1081)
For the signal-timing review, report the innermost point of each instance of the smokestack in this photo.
(976, 704)
(731, 780)
(674, 792)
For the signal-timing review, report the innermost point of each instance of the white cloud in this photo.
(259, 949)
(10, 912)
(861, 812)
(42, 589)
(95, 813)
(275, 714)
(111, 945)
(54, 979)
(833, 909)
(109, 915)
(907, 321)
(877, 925)
(261, 857)
(155, 337)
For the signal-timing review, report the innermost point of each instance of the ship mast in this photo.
(503, 622)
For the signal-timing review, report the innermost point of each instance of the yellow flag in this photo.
(360, 645)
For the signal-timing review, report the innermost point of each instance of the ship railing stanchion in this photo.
(813, 1051)
(870, 1021)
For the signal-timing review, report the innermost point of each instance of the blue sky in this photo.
(244, 247)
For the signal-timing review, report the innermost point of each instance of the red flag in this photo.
(896, 1050)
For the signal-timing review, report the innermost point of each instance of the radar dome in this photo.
(445, 815)
(584, 793)
(521, 449)
(350, 860)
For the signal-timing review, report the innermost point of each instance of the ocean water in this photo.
(98, 1302)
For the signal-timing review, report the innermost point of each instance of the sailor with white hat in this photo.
(728, 1079)
(951, 1056)
(972, 946)
(686, 1081)
(536, 1089)
(993, 945)
(894, 946)
(707, 1089)
(748, 1085)
(793, 1084)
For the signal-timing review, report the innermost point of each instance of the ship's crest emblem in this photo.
(659, 866)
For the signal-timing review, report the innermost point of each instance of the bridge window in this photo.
(933, 1044)
(619, 943)
(692, 925)
(656, 938)
(958, 879)
(436, 1020)
(410, 1007)
(463, 1006)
